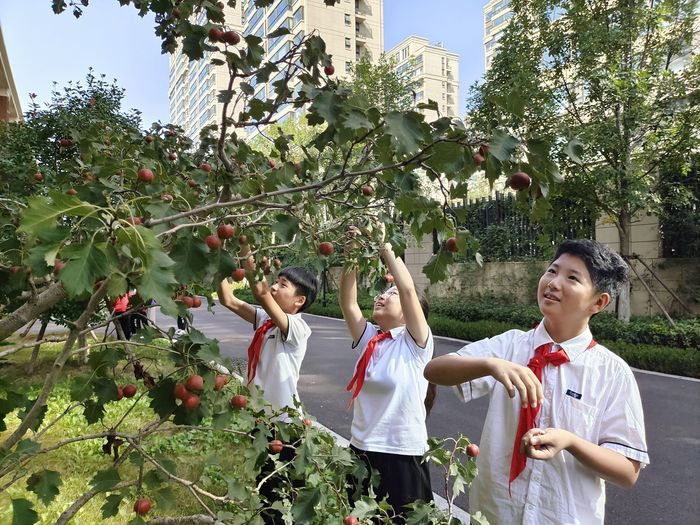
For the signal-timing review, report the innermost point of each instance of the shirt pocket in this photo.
(578, 417)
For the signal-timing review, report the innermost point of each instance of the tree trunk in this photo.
(624, 303)
(31, 310)
(35, 351)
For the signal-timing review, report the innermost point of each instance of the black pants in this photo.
(125, 322)
(403, 479)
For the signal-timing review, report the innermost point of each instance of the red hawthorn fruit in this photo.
(176, 12)
(187, 301)
(389, 278)
(484, 149)
(216, 34)
(297, 168)
(478, 159)
(225, 231)
(519, 181)
(191, 402)
(472, 450)
(367, 190)
(92, 102)
(239, 401)
(238, 274)
(325, 248)
(195, 383)
(120, 393)
(129, 390)
(329, 70)
(58, 266)
(191, 183)
(275, 446)
(451, 245)
(243, 239)
(205, 166)
(196, 302)
(38, 176)
(231, 38)
(167, 197)
(271, 163)
(307, 422)
(277, 263)
(350, 520)
(136, 221)
(142, 506)
(145, 175)
(213, 242)
(172, 156)
(107, 142)
(180, 392)
(220, 382)
(71, 191)
(65, 143)
(149, 138)
(88, 176)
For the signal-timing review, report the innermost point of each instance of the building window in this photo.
(277, 13)
(348, 19)
(348, 67)
(348, 43)
(298, 16)
(404, 53)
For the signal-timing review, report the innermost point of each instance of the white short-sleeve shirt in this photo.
(389, 412)
(280, 361)
(594, 396)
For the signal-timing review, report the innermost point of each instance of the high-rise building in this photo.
(10, 110)
(350, 29)
(433, 70)
(496, 16)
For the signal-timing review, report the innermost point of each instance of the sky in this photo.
(115, 41)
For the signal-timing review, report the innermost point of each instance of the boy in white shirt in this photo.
(577, 414)
(388, 388)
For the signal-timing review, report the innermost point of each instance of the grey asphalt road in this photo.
(668, 490)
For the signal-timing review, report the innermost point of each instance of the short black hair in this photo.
(607, 268)
(304, 282)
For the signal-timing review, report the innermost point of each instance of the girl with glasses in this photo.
(388, 388)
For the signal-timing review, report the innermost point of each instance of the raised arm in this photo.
(233, 303)
(261, 292)
(348, 304)
(416, 323)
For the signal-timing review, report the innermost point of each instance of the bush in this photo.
(679, 361)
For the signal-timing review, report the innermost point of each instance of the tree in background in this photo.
(379, 85)
(613, 86)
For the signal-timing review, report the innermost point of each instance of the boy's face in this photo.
(285, 294)
(566, 293)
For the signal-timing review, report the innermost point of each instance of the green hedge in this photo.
(678, 361)
(650, 331)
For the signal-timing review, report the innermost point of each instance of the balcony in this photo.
(362, 32)
(362, 10)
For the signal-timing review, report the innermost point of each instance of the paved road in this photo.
(668, 491)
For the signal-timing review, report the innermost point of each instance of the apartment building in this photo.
(10, 110)
(433, 70)
(350, 29)
(497, 13)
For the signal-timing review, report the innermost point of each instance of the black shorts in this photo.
(403, 479)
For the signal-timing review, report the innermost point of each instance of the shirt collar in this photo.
(395, 332)
(574, 347)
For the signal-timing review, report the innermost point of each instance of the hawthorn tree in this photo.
(613, 86)
(130, 209)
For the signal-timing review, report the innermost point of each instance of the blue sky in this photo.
(114, 40)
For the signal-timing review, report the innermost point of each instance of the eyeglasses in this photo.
(389, 293)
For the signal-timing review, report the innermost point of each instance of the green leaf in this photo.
(190, 256)
(255, 50)
(80, 387)
(111, 505)
(502, 145)
(43, 213)
(285, 227)
(406, 130)
(436, 268)
(93, 411)
(105, 389)
(23, 512)
(306, 500)
(327, 106)
(162, 399)
(279, 32)
(87, 263)
(356, 119)
(45, 485)
(157, 283)
(104, 480)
